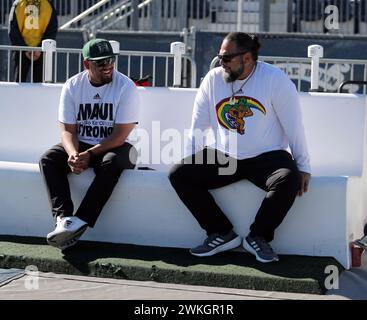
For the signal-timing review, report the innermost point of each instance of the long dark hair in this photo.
(245, 42)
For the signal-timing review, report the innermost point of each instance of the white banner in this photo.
(329, 79)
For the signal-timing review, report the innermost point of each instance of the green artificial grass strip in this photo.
(299, 274)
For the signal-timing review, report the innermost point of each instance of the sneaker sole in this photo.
(234, 243)
(58, 239)
(64, 247)
(251, 250)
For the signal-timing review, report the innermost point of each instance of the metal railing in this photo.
(84, 14)
(123, 15)
(332, 72)
(68, 9)
(344, 83)
(174, 15)
(315, 16)
(160, 66)
(6, 58)
(135, 64)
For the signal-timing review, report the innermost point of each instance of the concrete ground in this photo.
(18, 284)
(51, 286)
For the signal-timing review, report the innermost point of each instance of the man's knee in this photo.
(115, 164)
(54, 155)
(290, 179)
(42, 160)
(124, 159)
(42, 163)
(177, 175)
(286, 179)
(45, 160)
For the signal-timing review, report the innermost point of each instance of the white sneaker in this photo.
(68, 244)
(67, 228)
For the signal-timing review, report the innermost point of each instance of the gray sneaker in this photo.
(217, 243)
(260, 249)
(362, 242)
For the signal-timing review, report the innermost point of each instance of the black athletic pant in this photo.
(26, 67)
(107, 168)
(275, 172)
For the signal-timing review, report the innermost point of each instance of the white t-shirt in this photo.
(265, 115)
(96, 110)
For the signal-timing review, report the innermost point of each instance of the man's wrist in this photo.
(92, 155)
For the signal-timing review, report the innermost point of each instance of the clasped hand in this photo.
(36, 55)
(78, 162)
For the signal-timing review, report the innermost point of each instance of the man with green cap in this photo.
(98, 110)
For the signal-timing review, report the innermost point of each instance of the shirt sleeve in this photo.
(51, 30)
(285, 100)
(15, 36)
(200, 119)
(129, 105)
(66, 106)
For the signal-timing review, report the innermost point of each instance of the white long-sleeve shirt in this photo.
(265, 115)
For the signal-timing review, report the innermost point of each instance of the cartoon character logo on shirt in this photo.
(231, 114)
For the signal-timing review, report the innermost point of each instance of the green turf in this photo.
(228, 269)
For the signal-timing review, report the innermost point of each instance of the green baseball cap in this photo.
(98, 49)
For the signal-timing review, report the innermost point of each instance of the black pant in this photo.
(26, 67)
(107, 168)
(275, 172)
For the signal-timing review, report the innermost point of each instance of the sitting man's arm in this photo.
(70, 143)
(305, 181)
(117, 138)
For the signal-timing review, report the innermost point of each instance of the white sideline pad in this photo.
(144, 209)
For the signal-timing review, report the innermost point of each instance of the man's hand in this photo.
(36, 55)
(304, 182)
(77, 163)
(84, 159)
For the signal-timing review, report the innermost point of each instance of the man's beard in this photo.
(106, 79)
(232, 76)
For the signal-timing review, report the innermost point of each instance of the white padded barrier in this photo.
(135, 212)
(144, 208)
(334, 124)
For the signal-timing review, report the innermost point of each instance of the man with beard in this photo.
(273, 122)
(98, 109)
